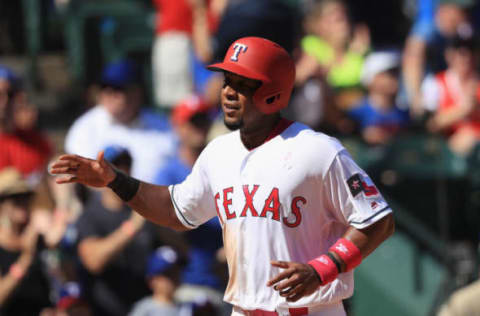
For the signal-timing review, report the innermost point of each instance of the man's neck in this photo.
(254, 137)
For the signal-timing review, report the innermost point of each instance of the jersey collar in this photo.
(281, 126)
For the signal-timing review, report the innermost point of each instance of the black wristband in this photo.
(124, 186)
(337, 264)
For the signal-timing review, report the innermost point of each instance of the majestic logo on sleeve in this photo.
(341, 248)
(237, 49)
(270, 206)
(357, 184)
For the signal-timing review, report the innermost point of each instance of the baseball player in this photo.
(298, 214)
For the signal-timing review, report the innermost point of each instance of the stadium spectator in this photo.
(425, 46)
(70, 302)
(453, 96)
(191, 122)
(113, 247)
(22, 145)
(119, 119)
(200, 277)
(334, 50)
(163, 274)
(378, 114)
(24, 285)
(182, 39)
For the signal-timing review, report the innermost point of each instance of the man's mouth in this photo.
(230, 108)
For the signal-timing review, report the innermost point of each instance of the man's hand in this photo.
(95, 173)
(299, 280)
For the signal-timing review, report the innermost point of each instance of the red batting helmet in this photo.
(260, 59)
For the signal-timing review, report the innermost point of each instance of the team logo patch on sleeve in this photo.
(357, 184)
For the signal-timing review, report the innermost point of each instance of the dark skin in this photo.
(297, 279)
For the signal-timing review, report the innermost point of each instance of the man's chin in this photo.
(233, 126)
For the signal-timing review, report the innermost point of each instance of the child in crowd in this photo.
(378, 115)
(163, 275)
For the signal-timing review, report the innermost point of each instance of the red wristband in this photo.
(16, 271)
(325, 267)
(348, 252)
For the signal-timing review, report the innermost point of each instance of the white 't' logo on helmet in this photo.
(238, 48)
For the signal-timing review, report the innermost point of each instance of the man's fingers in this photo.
(279, 277)
(74, 158)
(282, 275)
(291, 282)
(68, 157)
(66, 179)
(101, 159)
(279, 264)
(62, 170)
(296, 293)
(291, 291)
(63, 163)
(100, 156)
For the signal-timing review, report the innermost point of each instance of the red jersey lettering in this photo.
(227, 202)
(296, 212)
(272, 204)
(249, 200)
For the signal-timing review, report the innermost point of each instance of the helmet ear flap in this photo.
(270, 101)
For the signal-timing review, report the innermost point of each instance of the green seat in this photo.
(397, 280)
(77, 15)
(424, 157)
(130, 36)
(121, 36)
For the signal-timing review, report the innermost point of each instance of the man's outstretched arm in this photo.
(151, 201)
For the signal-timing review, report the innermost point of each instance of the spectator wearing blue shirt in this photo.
(378, 115)
(119, 118)
(426, 43)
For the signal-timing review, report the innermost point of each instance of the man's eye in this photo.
(226, 82)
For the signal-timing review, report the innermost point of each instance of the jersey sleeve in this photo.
(192, 199)
(352, 196)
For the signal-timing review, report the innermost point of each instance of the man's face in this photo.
(17, 209)
(237, 101)
(461, 60)
(122, 104)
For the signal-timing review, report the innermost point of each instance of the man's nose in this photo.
(229, 92)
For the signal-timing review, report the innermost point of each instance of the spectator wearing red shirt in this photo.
(182, 30)
(453, 96)
(22, 145)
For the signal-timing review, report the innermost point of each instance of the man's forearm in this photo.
(151, 201)
(154, 203)
(368, 239)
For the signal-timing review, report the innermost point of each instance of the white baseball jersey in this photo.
(289, 199)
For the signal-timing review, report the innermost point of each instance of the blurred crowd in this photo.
(69, 250)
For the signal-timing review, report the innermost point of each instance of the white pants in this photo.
(172, 71)
(327, 310)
